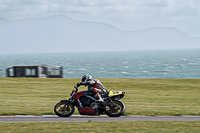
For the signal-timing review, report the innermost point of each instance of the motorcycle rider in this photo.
(94, 85)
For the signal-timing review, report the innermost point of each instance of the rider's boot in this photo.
(98, 96)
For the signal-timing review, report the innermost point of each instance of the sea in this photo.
(137, 64)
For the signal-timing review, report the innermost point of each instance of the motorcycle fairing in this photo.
(112, 93)
(116, 95)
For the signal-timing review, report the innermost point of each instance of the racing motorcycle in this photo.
(88, 105)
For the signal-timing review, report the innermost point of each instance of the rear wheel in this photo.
(64, 112)
(115, 111)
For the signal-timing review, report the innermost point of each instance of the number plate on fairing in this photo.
(112, 93)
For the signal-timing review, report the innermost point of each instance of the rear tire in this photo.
(60, 111)
(115, 111)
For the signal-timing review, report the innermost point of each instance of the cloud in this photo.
(136, 8)
(124, 14)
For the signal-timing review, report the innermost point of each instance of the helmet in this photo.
(86, 77)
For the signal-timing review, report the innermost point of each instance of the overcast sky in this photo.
(125, 15)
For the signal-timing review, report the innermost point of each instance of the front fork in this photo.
(66, 104)
(112, 103)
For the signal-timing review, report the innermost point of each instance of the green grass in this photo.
(143, 96)
(98, 127)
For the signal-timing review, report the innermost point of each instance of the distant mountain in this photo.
(3, 20)
(61, 34)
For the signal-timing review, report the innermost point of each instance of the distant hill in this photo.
(3, 21)
(60, 34)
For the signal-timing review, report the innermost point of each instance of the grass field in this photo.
(101, 127)
(143, 96)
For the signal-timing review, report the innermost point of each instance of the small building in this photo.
(38, 71)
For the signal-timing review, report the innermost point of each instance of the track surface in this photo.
(81, 118)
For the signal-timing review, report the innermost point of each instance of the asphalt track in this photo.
(83, 118)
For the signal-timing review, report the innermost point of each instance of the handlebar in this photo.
(76, 87)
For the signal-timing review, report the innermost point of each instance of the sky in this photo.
(126, 15)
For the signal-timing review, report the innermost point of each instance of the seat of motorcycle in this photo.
(88, 93)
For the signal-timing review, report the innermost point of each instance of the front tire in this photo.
(116, 111)
(64, 112)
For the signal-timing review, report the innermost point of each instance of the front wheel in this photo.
(64, 112)
(115, 111)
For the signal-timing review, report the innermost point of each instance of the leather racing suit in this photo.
(96, 87)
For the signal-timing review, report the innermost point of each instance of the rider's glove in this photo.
(78, 84)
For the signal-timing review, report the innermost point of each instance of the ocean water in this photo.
(151, 64)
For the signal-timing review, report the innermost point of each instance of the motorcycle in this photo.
(88, 105)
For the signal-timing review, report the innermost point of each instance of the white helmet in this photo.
(86, 77)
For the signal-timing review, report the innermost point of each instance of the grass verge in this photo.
(97, 127)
